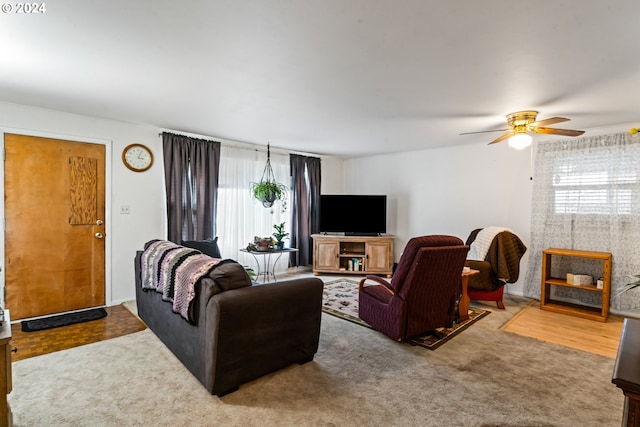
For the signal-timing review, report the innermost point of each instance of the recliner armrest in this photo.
(379, 280)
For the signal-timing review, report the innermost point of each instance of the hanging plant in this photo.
(267, 191)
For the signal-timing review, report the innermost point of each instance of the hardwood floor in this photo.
(119, 321)
(582, 334)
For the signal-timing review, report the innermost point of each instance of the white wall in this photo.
(435, 191)
(332, 175)
(453, 190)
(142, 192)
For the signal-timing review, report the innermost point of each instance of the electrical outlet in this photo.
(125, 210)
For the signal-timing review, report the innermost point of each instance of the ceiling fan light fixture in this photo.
(520, 141)
(524, 123)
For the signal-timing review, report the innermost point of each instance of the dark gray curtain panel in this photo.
(305, 203)
(191, 177)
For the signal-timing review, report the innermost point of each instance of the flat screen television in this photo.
(353, 215)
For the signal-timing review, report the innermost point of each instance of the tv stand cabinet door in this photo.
(380, 256)
(325, 255)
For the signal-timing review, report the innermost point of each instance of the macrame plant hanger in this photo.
(268, 190)
(267, 173)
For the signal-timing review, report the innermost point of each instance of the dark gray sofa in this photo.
(239, 334)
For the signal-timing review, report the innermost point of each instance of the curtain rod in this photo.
(240, 143)
(237, 144)
(188, 134)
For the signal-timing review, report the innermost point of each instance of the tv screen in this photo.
(353, 214)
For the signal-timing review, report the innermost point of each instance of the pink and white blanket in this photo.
(173, 271)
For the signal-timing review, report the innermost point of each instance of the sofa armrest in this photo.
(262, 328)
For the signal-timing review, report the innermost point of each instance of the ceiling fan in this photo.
(522, 122)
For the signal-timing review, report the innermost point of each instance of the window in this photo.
(240, 217)
(586, 196)
(598, 182)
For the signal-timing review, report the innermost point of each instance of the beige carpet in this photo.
(484, 376)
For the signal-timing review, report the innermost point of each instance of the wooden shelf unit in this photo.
(337, 254)
(594, 313)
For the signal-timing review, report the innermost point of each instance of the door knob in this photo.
(99, 235)
(99, 222)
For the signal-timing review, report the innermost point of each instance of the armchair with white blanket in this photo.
(495, 252)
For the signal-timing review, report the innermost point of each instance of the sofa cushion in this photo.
(207, 247)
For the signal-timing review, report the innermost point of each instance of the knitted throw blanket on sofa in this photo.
(173, 271)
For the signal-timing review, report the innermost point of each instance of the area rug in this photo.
(63, 320)
(340, 299)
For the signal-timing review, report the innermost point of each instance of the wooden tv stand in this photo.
(353, 254)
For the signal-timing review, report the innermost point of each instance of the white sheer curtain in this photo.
(240, 216)
(586, 195)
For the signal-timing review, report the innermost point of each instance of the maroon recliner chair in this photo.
(422, 293)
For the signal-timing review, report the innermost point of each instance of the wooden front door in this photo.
(54, 225)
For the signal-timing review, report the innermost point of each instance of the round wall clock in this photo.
(137, 157)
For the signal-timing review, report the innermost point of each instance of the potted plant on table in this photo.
(279, 235)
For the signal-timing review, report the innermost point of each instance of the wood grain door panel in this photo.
(54, 196)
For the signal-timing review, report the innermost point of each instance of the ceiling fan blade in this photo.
(485, 131)
(550, 121)
(554, 131)
(503, 137)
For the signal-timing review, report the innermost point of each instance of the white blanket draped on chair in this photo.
(480, 246)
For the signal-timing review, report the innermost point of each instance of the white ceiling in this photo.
(332, 77)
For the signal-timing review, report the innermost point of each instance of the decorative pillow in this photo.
(229, 275)
(207, 247)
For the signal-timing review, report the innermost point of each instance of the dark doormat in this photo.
(63, 320)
